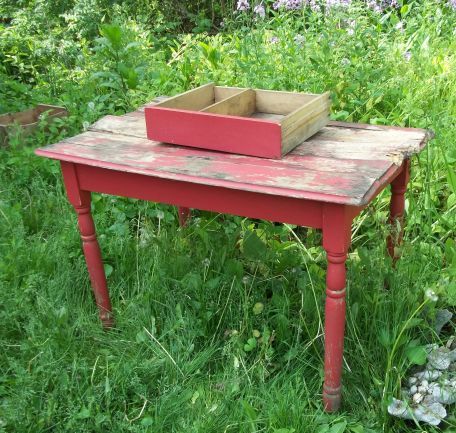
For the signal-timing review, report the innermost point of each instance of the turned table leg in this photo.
(184, 215)
(81, 202)
(397, 206)
(336, 240)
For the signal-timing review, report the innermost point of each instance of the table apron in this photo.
(249, 204)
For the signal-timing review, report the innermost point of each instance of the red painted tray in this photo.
(261, 123)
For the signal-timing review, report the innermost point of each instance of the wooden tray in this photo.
(261, 123)
(27, 121)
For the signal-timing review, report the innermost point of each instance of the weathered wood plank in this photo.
(335, 142)
(343, 163)
(270, 176)
(373, 168)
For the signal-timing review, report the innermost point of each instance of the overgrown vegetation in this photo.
(219, 324)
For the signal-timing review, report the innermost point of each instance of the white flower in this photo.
(431, 295)
(299, 39)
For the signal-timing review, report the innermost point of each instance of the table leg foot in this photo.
(331, 398)
(184, 215)
(397, 206)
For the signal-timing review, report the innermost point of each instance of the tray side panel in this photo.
(239, 135)
(269, 101)
(305, 122)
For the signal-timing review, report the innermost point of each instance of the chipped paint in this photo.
(342, 160)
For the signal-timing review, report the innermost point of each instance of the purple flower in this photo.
(288, 4)
(273, 40)
(452, 3)
(381, 5)
(314, 6)
(242, 5)
(259, 10)
(337, 3)
(407, 56)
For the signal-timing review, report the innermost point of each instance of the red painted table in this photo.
(324, 183)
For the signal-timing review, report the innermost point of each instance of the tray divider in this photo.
(224, 92)
(241, 104)
(194, 99)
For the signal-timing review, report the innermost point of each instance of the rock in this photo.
(412, 380)
(428, 374)
(417, 398)
(442, 317)
(430, 389)
(432, 413)
(399, 408)
(440, 358)
(422, 389)
(452, 355)
(445, 394)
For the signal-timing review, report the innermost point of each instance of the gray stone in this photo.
(442, 317)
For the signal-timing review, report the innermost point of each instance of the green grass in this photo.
(182, 356)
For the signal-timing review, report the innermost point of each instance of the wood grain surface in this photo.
(343, 163)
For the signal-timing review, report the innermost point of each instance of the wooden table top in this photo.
(344, 163)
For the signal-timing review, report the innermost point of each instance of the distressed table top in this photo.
(344, 163)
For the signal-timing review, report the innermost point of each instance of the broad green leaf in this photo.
(338, 427)
(250, 345)
(132, 80)
(405, 10)
(323, 428)
(113, 33)
(234, 267)
(416, 355)
(124, 70)
(254, 247)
